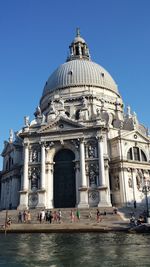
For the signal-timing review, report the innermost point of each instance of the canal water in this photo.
(75, 250)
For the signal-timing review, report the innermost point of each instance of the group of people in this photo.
(24, 217)
(50, 216)
(137, 221)
(55, 216)
(74, 215)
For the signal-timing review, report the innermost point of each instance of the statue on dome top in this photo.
(11, 135)
(128, 111)
(26, 121)
(38, 112)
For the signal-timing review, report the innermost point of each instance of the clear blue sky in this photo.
(34, 40)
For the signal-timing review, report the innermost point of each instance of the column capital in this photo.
(77, 165)
(42, 143)
(26, 144)
(50, 167)
(100, 138)
(82, 140)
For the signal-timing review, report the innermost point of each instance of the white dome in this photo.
(79, 73)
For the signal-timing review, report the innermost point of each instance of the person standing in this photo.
(78, 215)
(19, 217)
(72, 216)
(29, 217)
(50, 217)
(59, 216)
(135, 204)
(98, 216)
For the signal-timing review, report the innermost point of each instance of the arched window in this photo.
(143, 156)
(135, 153)
(129, 154)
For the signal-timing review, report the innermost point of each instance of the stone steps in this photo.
(84, 215)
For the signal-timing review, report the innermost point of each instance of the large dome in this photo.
(79, 73)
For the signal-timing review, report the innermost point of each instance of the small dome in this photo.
(78, 39)
(79, 73)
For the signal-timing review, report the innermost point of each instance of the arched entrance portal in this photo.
(64, 179)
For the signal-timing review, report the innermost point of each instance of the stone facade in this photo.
(81, 149)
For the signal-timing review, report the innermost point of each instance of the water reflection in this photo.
(71, 250)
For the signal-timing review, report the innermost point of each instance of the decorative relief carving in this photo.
(139, 179)
(116, 185)
(142, 178)
(33, 200)
(130, 183)
(93, 196)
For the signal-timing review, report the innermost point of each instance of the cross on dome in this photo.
(77, 32)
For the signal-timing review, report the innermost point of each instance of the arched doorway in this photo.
(64, 179)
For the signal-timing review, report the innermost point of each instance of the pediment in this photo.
(135, 136)
(60, 124)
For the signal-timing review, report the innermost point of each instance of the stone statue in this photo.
(135, 121)
(26, 121)
(61, 101)
(38, 110)
(52, 107)
(116, 183)
(128, 111)
(84, 102)
(91, 151)
(11, 135)
(34, 156)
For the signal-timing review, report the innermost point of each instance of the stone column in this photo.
(50, 171)
(41, 191)
(133, 173)
(83, 202)
(25, 168)
(77, 173)
(82, 164)
(42, 166)
(102, 181)
(25, 182)
(103, 194)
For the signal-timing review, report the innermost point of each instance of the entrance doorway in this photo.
(64, 179)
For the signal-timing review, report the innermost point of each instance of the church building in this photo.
(81, 149)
